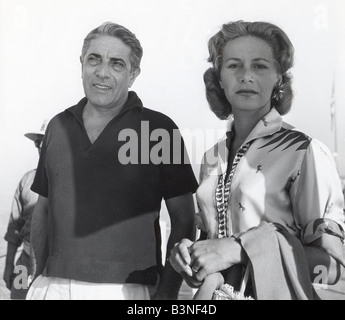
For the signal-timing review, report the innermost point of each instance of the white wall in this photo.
(40, 44)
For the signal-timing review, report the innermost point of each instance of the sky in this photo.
(40, 72)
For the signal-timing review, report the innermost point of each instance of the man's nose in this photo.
(103, 71)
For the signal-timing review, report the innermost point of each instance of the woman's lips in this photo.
(246, 93)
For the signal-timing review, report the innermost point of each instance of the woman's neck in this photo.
(245, 122)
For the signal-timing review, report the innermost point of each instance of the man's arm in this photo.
(39, 237)
(9, 266)
(181, 211)
(12, 236)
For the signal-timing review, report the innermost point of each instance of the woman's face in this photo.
(248, 74)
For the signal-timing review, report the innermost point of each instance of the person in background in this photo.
(18, 231)
(271, 203)
(106, 165)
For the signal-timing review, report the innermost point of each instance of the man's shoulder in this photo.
(155, 114)
(70, 110)
(61, 115)
(64, 114)
(158, 118)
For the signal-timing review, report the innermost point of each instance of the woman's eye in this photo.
(260, 66)
(234, 66)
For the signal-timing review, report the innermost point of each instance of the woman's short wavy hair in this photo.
(117, 31)
(283, 53)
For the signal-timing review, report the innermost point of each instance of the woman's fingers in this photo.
(176, 264)
(201, 274)
(184, 246)
(180, 258)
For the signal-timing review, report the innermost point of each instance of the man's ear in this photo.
(133, 76)
(81, 61)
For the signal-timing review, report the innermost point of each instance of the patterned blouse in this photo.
(279, 175)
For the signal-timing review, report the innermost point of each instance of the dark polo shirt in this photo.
(103, 214)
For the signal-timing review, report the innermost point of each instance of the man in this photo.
(101, 234)
(18, 231)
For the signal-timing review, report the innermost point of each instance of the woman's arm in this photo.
(323, 268)
(323, 241)
(318, 205)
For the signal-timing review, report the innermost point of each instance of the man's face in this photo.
(38, 143)
(106, 72)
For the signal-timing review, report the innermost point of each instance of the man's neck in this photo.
(96, 118)
(102, 112)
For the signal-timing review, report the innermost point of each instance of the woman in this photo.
(270, 187)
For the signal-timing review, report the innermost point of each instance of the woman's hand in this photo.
(211, 256)
(180, 258)
(199, 259)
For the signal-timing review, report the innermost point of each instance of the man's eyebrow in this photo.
(95, 55)
(111, 59)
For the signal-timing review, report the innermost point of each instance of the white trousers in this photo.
(47, 288)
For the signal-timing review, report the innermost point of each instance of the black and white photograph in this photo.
(185, 151)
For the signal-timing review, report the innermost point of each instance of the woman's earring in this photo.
(278, 91)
